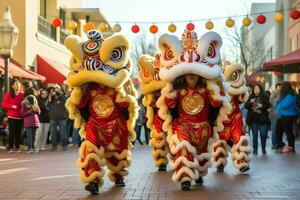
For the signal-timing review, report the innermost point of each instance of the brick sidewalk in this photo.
(54, 175)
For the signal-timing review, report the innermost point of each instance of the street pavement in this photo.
(54, 175)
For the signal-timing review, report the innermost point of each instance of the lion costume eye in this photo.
(117, 54)
(235, 76)
(211, 50)
(169, 55)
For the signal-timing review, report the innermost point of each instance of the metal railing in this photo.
(45, 28)
(63, 36)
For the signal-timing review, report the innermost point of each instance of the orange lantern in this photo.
(89, 26)
(153, 29)
(229, 23)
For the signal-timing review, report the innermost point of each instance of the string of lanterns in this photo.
(153, 28)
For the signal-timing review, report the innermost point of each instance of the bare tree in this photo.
(249, 53)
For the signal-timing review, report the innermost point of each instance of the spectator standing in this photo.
(42, 131)
(287, 111)
(141, 122)
(272, 114)
(258, 105)
(30, 111)
(58, 117)
(4, 130)
(12, 103)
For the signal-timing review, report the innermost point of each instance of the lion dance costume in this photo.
(151, 87)
(103, 105)
(233, 134)
(186, 110)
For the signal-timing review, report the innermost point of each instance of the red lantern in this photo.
(135, 28)
(261, 19)
(57, 22)
(190, 26)
(153, 29)
(277, 74)
(295, 14)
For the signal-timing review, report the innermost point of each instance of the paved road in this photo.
(54, 175)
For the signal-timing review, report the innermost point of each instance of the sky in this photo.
(171, 11)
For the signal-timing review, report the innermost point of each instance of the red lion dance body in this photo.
(102, 95)
(233, 133)
(193, 91)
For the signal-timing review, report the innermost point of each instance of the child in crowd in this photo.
(30, 111)
(4, 129)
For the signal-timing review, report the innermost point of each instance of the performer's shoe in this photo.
(120, 182)
(185, 185)
(244, 169)
(92, 187)
(162, 168)
(220, 168)
(199, 181)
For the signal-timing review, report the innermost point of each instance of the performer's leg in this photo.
(117, 163)
(185, 162)
(160, 149)
(240, 152)
(220, 154)
(91, 161)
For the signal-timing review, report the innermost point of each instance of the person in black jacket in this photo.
(258, 118)
(42, 131)
(58, 117)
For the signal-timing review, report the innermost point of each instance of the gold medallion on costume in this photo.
(192, 104)
(103, 105)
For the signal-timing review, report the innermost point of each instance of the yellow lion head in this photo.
(98, 60)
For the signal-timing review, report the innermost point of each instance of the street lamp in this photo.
(8, 40)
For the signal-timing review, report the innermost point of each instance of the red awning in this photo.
(289, 63)
(53, 71)
(17, 70)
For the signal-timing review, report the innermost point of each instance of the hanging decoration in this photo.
(57, 22)
(278, 17)
(103, 27)
(261, 19)
(229, 23)
(89, 26)
(135, 28)
(153, 29)
(209, 25)
(71, 25)
(172, 28)
(190, 26)
(117, 28)
(246, 21)
(295, 14)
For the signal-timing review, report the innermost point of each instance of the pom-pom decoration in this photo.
(103, 27)
(190, 26)
(135, 28)
(117, 28)
(89, 26)
(261, 19)
(278, 17)
(153, 29)
(57, 22)
(295, 14)
(229, 23)
(71, 25)
(246, 21)
(209, 25)
(172, 28)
